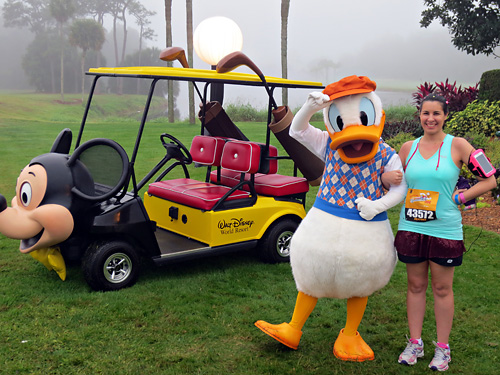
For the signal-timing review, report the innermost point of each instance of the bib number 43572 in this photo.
(413, 214)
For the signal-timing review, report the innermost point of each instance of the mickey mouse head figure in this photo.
(51, 192)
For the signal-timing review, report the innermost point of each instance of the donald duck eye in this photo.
(335, 119)
(366, 112)
(25, 194)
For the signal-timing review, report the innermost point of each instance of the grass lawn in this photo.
(197, 317)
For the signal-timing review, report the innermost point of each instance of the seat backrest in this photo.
(207, 150)
(241, 156)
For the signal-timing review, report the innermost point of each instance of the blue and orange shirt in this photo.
(343, 183)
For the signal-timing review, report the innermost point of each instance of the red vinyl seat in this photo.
(234, 155)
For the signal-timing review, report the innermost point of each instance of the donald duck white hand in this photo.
(315, 102)
(367, 208)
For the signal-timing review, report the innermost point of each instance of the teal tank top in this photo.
(438, 174)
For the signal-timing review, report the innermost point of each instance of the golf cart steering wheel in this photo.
(175, 149)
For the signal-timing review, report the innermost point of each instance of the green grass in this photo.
(197, 317)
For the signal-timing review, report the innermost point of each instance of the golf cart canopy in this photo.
(200, 75)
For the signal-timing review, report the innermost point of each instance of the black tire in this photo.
(110, 265)
(274, 247)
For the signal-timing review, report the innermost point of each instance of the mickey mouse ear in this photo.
(62, 144)
(108, 165)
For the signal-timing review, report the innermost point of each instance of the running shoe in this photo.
(441, 358)
(412, 351)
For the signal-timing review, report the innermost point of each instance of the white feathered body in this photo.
(335, 257)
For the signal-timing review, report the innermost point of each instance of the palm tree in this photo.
(88, 35)
(62, 11)
(189, 25)
(285, 8)
(142, 16)
(168, 21)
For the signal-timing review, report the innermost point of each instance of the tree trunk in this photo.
(285, 8)
(168, 22)
(115, 42)
(62, 61)
(83, 74)
(189, 24)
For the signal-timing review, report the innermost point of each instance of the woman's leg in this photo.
(444, 305)
(417, 274)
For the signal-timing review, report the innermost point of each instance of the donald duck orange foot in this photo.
(284, 333)
(352, 348)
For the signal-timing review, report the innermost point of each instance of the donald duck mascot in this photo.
(343, 248)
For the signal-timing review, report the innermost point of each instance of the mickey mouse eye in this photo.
(25, 194)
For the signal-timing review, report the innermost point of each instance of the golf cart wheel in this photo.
(110, 265)
(275, 245)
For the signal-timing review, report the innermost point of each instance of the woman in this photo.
(430, 233)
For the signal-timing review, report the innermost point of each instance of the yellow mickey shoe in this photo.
(352, 348)
(41, 256)
(56, 260)
(283, 333)
(52, 259)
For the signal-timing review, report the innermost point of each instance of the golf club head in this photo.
(174, 53)
(235, 59)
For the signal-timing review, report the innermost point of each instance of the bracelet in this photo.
(462, 198)
(455, 198)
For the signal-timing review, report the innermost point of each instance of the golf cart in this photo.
(242, 203)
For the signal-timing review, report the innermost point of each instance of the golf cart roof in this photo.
(199, 75)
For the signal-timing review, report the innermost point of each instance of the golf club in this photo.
(177, 53)
(237, 58)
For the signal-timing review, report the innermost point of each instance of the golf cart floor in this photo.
(172, 243)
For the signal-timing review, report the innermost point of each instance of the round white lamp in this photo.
(216, 37)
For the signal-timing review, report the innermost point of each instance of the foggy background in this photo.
(327, 40)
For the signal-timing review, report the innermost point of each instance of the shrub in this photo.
(400, 113)
(397, 141)
(245, 113)
(481, 117)
(391, 129)
(477, 140)
(492, 150)
(489, 85)
(458, 98)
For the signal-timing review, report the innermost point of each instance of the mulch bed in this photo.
(487, 218)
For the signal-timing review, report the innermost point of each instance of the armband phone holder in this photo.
(480, 165)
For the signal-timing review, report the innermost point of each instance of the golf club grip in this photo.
(308, 163)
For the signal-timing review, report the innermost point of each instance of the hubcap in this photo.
(117, 268)
(283, 244)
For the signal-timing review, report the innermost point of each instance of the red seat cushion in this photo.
(193, 193)
(241, 156)
(275, 185)
(207, 150)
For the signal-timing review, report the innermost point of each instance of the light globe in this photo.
(216, 37)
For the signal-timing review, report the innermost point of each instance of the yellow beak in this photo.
(357, 143)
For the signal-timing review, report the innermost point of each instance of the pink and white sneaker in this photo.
(442, 357)
(412, 351)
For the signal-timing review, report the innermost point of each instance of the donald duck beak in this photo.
(357, 143)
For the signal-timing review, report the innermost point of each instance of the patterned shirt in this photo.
(343, 183)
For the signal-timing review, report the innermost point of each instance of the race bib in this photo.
(420, 205)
